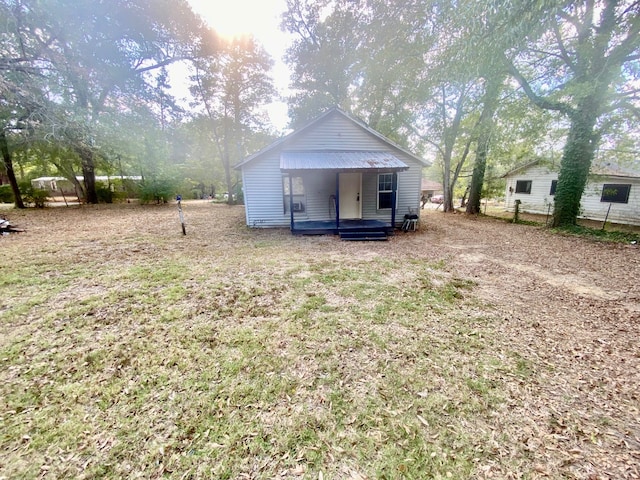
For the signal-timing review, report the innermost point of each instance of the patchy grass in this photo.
(235, 353)
(598, 234)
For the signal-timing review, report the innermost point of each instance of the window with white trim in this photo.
(385, 191)
(299, 198)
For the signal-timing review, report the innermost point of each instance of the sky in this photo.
(260, 18)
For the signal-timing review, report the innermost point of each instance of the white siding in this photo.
(539, 200)
(262, 178)
(262, 184)
(336, 132)
(591, 206)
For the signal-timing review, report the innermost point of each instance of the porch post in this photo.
(291, 199)
(394, 188)
(337, 200)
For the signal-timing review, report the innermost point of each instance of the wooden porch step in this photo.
(364, 235)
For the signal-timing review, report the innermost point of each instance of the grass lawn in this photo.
(130, 351)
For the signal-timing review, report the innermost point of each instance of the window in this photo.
(385, 190)
(523, 186)
(299, 199)
(615, 193)
(554, 185)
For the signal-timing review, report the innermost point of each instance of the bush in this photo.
(32, 195)
(159, 190)
(6, 194)
(105, 195)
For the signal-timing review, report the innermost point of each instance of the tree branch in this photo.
(625, 50)
(564, 55)
(539, 101)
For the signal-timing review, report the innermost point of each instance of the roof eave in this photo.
(319, 119)
(346, 170)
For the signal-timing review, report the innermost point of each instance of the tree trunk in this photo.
(226, 161)
(578, 154)
(70, 175)
(491, 96)
(88, 171)
(8, 165)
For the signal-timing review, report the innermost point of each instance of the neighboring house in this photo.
(61, 184)
(611, 192)
(429, 189)
(332, 175)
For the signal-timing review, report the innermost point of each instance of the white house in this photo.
(64, 185)
(611, 192)
(333, 175)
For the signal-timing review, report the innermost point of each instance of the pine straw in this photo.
(469, 349)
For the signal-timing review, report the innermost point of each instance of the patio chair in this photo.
(410, 221)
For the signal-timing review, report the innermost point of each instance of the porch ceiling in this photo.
(342, 161)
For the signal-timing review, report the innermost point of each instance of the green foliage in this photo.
(34, 196)
(232, 88)
(598, 234)
(102, 63)
(158, 190)
(105, 195)
(6, 194)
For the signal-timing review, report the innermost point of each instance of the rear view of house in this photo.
(611, 192)
(332, 175)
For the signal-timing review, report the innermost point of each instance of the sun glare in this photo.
(260, 18)
(232, 18)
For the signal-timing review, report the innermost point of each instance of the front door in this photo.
(350, 194)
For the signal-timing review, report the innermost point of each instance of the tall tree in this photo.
(231, 88)
(322, 55)
(98, 56)
(583, 65)
(490, 102)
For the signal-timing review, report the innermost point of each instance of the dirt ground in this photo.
(569, 307)
(573, 307)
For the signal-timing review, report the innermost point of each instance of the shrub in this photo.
(105, 195)
(158, 190)
(35, 196)
(6, 194)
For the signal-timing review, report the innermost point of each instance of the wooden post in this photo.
(291, 200)
(180, 214)
(337, 200)
(606, 217)
(394, 188)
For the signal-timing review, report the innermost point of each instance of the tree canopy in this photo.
(93, 77)
(442, 78)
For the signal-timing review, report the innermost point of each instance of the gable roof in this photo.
(526, 166)
(431, 185)
(281, 142)
(608, 169)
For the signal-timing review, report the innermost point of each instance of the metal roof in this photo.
(354, 160)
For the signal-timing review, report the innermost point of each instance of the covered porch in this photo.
(329, 227)
(356, 212)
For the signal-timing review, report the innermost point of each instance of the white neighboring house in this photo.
(62, 184)
(610, 190)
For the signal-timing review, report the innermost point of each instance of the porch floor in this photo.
(327, 227)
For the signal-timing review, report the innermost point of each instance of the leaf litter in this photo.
(530, 370)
